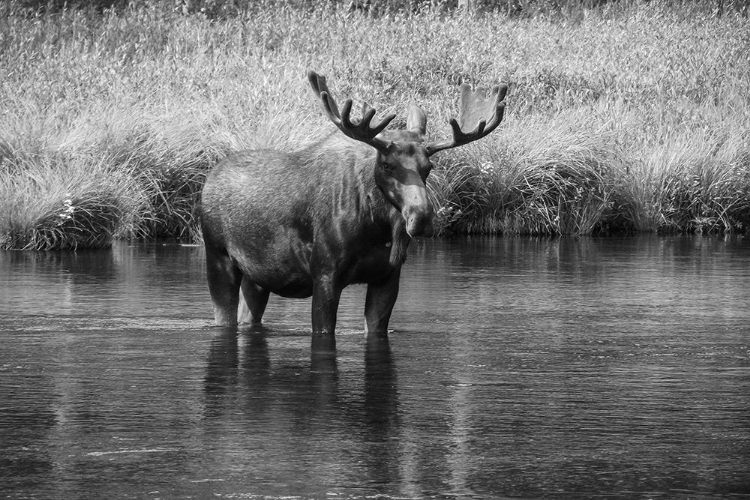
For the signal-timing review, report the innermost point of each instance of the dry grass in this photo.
(55, 203)
(636, 118)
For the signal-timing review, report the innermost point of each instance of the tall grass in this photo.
(541, 176)
(58, 202)
(621, 117)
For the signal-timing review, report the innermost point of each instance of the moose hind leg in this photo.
(254, 304)
(379, 304)
(224, 279)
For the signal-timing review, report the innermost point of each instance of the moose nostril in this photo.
(419, 224)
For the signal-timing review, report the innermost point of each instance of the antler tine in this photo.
(477, 116)
(361, 130)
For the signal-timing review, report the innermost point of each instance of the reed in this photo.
(628, 118)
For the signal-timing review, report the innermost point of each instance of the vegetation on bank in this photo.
(625, 116)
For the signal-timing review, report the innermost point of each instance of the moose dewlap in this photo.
(341, 211)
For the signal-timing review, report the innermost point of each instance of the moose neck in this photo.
(385, 214)
(354, 164)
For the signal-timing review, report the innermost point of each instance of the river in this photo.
(516, 368)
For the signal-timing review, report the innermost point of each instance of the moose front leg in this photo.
(379, 303)
(325, 304)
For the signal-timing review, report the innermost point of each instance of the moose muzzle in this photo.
(418, 213)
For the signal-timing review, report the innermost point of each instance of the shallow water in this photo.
(531, 368)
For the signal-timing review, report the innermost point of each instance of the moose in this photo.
(338, 212)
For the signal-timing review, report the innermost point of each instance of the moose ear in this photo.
(416, 121)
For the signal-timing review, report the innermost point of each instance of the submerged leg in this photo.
(379, 304)
(325, 305)
(254, 304)
(224, 280)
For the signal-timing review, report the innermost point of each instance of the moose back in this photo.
(341, 211)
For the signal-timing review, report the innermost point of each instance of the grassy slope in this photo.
(636, 119)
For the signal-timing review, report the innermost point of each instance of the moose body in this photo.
(289, 224)
(311, 222)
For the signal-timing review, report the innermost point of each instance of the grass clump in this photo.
(694, 182)
(529, 182)
(57, 203)
(621, 116)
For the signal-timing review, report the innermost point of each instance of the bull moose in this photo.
(338, 212)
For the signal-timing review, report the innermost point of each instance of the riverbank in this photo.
(630, 120)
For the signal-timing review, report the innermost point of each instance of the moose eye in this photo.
(388, 167)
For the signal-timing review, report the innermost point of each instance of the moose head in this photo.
(403, 156)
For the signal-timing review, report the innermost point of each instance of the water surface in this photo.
(517, 368)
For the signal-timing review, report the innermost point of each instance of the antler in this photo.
(477, 113)
(360, 130)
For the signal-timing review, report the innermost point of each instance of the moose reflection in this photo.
(259, 402)
(341, 211)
